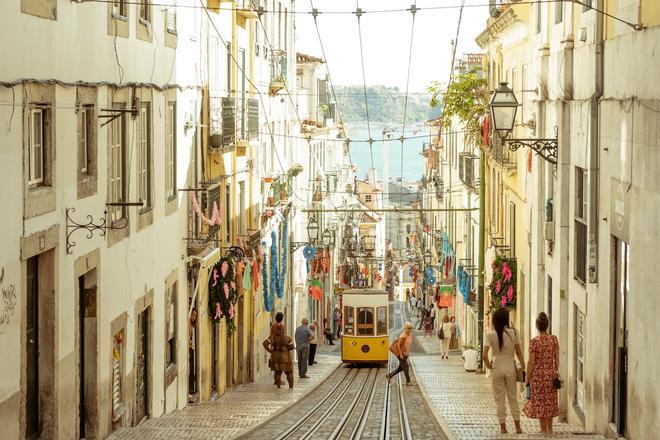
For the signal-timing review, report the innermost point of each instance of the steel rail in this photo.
(293, 428)
(309, 434)
(362, 421)
(406, 433)
(339, 430)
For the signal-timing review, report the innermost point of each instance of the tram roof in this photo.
(364, 292)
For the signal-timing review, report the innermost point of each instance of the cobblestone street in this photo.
(233, 413)
(463, 401)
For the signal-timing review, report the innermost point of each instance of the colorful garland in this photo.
(274, 273)
(269, 299)
(502, 287)
(285, 231)
(223, 293)
(215, 212)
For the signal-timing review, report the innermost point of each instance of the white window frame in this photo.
(116, 167)
(171, 329)
(170, 151)
(36, 171)
(86, 136)
(119, 8)
(144, 10)
(144, 156)
(170, 20)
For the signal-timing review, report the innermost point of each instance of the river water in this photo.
(413, 161)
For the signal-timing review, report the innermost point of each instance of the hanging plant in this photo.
(502, 287)
(269, 299)
(274, 270)
(283, 247)
(223, 292)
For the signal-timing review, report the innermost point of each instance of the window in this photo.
(549, 302)
(36, 147)
(170, 20)
(579, 357)
(170, 347)
(559, 12)
(581, 224)
(539, 17)
(365, 321)
(367, 198)
(117, 167)
(241, 208)
(86, 115)
(119, 8)
(145, 10)
(170, 151)
(381, 320)
(349, 321)
(144, 156)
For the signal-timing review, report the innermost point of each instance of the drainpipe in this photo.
(594, 156)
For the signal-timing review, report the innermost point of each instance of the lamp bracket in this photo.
(295, 245)
(546, 148)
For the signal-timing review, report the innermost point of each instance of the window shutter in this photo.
(228, 121)
(171, 19)
(253, 118)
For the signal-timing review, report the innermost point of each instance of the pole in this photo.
(480, 263)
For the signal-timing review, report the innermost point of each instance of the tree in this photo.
(466, 98)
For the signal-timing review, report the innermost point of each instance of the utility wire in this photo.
(413, 11)
(358, 14)
(453, 53)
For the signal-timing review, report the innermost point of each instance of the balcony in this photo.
(278, 71)
(201, 235)
(232, 120)
(503, 155)
(248, 8)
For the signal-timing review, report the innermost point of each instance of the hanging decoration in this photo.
(309, 252)
(284, 248)
(316, 289)
(223, 292)
(274, 272)
(215, 211)
(502, 287)
(269, 297)
(464, 283)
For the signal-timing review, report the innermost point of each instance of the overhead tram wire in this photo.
(413, 11)
(453, 54)
(259, 93)
(165, 6)
(358, 14)
(332, 85)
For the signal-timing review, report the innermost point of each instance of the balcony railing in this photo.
(278, 71)
(502, 154)
(232, 120)
(201, 235)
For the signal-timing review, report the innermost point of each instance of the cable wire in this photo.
(413, 11)
(358, 13)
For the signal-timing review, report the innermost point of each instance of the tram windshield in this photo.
(365, 321)
(349, 320)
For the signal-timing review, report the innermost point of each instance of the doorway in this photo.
(620, 335)
(142, 368)
(87, 355)
(32, 397)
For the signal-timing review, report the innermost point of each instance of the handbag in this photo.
(394, 348)
(441, 333)
(557, 383)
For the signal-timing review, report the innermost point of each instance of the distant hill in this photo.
(385, 105)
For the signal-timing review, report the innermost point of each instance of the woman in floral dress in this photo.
(543, 368)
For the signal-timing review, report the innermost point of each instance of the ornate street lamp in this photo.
(503, 108)
(312, 230)
(326, 237)
(427, 258)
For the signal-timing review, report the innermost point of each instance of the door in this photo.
(32, 407)
(620, 336)
(87, 358)
(141, 372)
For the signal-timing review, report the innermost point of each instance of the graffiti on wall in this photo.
(7, 302)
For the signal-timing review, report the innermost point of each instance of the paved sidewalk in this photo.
(463, 401)
(234, 412)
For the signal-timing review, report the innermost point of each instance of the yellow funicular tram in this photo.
(365, 326)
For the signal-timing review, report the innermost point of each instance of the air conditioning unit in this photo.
(550, 231)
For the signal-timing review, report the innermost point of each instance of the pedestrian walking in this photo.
(543, 376)
(445, 332)
(401, 349)
(313, 342)
(279, 345)
(503, 341)
(327, 333)
(455, 334)
(422, 317)
(303, 337)
(431, 315)
(336, 318)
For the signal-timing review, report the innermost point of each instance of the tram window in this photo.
(365, 321)
(381, 321)
(349, 320)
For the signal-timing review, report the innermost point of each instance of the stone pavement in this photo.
(234, 412)
(463, 401)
